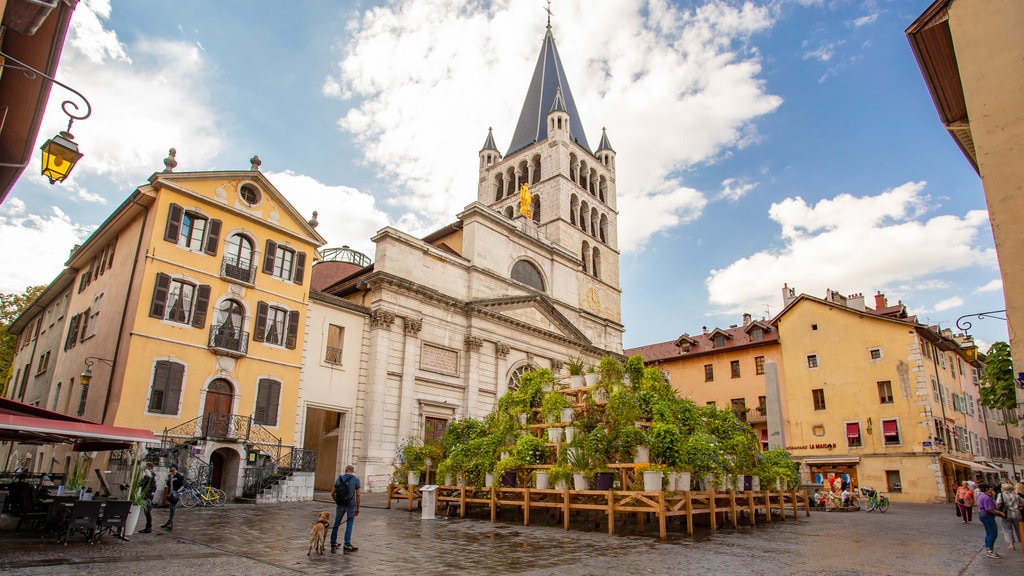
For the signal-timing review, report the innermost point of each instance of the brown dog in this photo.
(318, 534)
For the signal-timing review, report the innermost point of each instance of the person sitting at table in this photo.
(22, 495)
(847, 497)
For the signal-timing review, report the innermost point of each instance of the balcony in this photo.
(755, 416)
(333, 355)
(228, 341)
(232, 269)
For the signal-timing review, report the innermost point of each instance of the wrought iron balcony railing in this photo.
(235, 270)
(229, 341)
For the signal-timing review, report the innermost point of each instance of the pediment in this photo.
(536, 311)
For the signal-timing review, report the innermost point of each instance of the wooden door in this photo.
(217, 411)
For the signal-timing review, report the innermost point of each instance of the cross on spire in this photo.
(548, 10)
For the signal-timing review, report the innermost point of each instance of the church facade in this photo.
(525, 278)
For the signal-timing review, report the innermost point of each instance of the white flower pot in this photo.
(523, 416)
(414, 478)
(570, 433)
(567, 414)
(488, 479)
(683, 482)
(580, 481)
(133, 520)
(576, 381)
(561, 485)
(652, 481)
(448, 480)
(671, 479)
(542, 481)
(590, 378)
(641, 454)
(554, 434)
(460, 480)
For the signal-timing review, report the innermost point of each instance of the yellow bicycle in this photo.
(203, 496)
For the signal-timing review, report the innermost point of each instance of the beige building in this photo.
(525, 278)
(971, 56)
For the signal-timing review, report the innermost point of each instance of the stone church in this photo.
(525, 277)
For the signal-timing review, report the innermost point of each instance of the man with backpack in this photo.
(346, 497)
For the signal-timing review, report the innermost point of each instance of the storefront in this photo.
(832, 471)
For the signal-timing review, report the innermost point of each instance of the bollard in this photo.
(428, 501)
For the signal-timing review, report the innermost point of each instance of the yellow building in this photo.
(187, 317)
(967, 49)
(724, 367)
(873, 394)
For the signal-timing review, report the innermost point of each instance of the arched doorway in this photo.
(217, 411)
(225, 471)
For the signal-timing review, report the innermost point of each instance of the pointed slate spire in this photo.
(489, 143)
(605, 143)
(559, 104)
(547, 82)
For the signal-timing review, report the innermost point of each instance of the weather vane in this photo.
(548, 9)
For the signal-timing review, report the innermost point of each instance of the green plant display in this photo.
(575, 365)
(76, 476)
(552, 405)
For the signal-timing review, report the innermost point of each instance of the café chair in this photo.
(83, 519)
(113, 519)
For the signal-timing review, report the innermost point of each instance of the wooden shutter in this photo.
(269, 256)
(172, 392)
(260, 329)
(202, 304)
(212, 237)
(268, 396)
(300, 267)
(85, 323)
(293, 329)
(160, 291)
(156, 391)
(72, 338)
(173, 229)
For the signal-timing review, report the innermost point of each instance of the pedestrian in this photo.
(24, 467)
(175, 482)
(965, 500)
(1009, 503)
(987, 513)
(147, 487)
(345, 493)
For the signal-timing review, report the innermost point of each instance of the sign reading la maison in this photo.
(812, 446)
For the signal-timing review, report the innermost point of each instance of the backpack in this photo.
(343, 491)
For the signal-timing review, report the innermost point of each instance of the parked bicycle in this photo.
(873, 500)
(206, 495)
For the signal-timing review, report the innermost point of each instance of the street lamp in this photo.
(60, 153)
(86, 376)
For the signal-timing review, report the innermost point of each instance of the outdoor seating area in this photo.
(65, 517)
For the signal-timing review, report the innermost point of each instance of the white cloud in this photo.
(346, 216)
(823, 52)
(689, 73)
(865, 20)
(848, 241)
(50, 237)
(993, 286)
(949, 303)
(733, 189)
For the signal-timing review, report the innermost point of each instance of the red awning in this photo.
(853, 430)
(764, 434)
(87, 436)
(889, 428)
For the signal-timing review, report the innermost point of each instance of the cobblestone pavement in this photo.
(272, 539)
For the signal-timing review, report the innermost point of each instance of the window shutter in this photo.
(72, 338)
(267, 399)
(175, 376)
(300, 267)
(202, 303)
(212, 237)
(85, 323)
(160, 291)
(173, 229)
(269, 256)
(293, 329)
(260, 413)
(261, 321)
(156, 392)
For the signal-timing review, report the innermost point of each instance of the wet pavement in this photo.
(272, 539)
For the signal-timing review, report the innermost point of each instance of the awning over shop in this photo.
(28, 424)
(830, 459)
(979, 466)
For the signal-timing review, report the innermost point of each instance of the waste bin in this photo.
(428, 501)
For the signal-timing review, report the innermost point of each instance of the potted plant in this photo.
(560, 475)
(590, 377)
(610, 371)
(541, 479)
(576, 366)
(75, 481)
(552, 404)
(652, 474)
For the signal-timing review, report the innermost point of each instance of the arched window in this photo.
(238, 258)
(509, 212)
(596, 263)
(535, 205)
(574, 208)
(525, 272)
(573, 167)
(602, 190)
(585, 255)
(536, 170)
(499, 186)
(603, 229)
(513, 378)
(584, 213)
(510, 182)
(594, 219)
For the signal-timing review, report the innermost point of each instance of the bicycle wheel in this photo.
(217, 497)
(188, 498)
(883, 504)
(865, 504)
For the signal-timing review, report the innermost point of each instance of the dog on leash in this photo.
(318, 534)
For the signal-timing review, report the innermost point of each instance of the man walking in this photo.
(148, 488)
(345, 493)
(175, 482)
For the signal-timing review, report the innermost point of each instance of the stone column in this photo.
(409, 427)
(377, 460)
(473, 346)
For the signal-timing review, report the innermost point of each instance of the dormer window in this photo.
(719, 340)
(686, 347)
(757, 334)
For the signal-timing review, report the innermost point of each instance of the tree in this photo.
(998, 382)
(11, 306)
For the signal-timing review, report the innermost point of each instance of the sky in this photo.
(758, 144)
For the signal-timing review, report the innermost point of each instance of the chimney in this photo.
(856, 301)
(788, 294)
(746, 318)
(880, 301)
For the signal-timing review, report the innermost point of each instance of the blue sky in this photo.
(758, 143)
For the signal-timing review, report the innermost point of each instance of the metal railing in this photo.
(229, 339)
(224, 427)
(236, 271)
(332, 355)
(268, 471)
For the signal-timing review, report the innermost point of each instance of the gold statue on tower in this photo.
(525, 201)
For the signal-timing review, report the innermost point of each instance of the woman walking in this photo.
(987, 513)
(1010, 504)
(965, 500)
